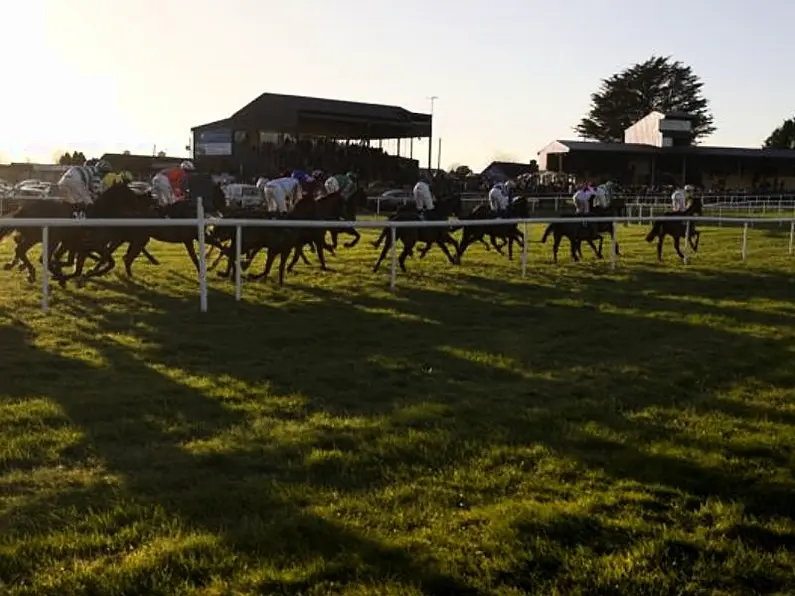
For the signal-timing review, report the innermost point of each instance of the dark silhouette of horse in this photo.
(357, 200)
(577, 232)
(677, 229)
(409, 236)
(277, 241)
(509, 233)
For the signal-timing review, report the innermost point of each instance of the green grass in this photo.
(575, 431)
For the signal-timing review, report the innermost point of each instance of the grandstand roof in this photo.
(695, 150)
(325, 117)
(508, 169)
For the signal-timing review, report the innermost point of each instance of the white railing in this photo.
(201, 223)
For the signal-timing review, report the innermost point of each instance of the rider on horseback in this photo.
(79, 184)
(423, 197)
(681, 198)
(169, 185)
(499, 199)
(345, 184)
(279, 191)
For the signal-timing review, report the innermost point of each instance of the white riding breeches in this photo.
(74, 191)
(161, 189)
(276, 197)
(582, 205)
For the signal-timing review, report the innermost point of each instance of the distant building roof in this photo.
(509, 169)
(331, 117)
(594, 146)
(141, 163)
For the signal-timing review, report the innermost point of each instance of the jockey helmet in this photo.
(187, 165)
(689, 188)
(299, 175)
(332, 185)
(261, 182)
(510, 185)
(351, 175)
(102, 167)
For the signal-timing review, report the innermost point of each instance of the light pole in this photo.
(432, 99)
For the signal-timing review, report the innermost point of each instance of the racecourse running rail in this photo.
(202, 222)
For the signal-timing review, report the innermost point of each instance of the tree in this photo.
(659, 84)
(534, 166)
(783, 137)
(72, 159)
(462, 171)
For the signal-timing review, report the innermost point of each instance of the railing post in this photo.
(745, 241)
(613, 245)
(202, 257)
(393, 257)
(45, 269)
(524, 249)
(238, 250)
(687, 242)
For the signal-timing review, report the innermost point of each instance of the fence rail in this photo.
(201, 223)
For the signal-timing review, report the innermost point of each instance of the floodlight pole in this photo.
(432, 99)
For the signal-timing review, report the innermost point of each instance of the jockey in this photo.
(169, 185)
(681, 197)
(345, 184)
(281, 191)
(499, 199)
(602, 195)
(423, 197)
(79, 183)
(581, 200)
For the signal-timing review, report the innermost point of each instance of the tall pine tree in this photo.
(660, 84)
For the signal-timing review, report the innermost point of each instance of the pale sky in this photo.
(511, 75)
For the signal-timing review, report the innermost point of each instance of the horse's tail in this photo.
(547, 232)
(655, 231)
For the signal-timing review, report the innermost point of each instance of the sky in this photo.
(510, 75)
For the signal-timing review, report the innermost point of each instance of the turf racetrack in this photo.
(576, 431)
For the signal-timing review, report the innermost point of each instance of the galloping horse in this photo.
(518, 209)
(577, 232)
(409, 236)
(357, 199)
(677, 229)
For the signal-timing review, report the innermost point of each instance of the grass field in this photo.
(575, 431)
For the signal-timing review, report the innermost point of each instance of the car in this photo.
(242, 195)
(390, 200)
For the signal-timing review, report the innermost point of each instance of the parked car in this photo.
(390, 200)
(242, 195)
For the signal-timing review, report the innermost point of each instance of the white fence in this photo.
(201, 223)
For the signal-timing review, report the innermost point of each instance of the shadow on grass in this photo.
(522, 367)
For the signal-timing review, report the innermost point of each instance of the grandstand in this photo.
(659, 150)
(277, 132)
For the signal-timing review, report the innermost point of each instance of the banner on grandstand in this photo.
(213, 142)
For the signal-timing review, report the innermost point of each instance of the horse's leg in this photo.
(297, 253)
(555, 246)
(191, 249)
(303, 256)
(382, 256)
(319, 244)
(660, 240)
(381, 238)
(356, 237)
(22, 253)
(152, 260)
(695, 237)
(134, 249)
(268, 263)
(424, 250)
(408, 250)
(678, 248)
(440, 243)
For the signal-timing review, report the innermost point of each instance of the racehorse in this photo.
(518, 209)
(677, 229)
(357, 199)
(330, 208)
(577, 232)
(409, 236)
(278, 241)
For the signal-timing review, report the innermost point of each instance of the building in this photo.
(659, 150)
(276, 132)
(142, 167)
(19, 171)
(500, 171)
